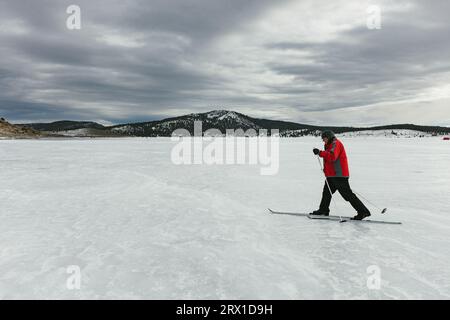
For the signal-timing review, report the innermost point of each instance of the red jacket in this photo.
(335, 159)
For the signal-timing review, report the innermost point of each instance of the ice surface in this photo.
(140, 227)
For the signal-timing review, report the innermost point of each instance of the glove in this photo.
(316, 151)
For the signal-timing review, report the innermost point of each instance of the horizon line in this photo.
(187, 114)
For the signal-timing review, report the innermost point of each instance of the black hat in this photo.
(328, 134)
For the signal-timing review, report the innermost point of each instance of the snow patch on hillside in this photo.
(127, 129)
(74, 133)
(216, 114)
(387, 133)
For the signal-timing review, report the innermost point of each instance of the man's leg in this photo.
(346, 192)
(326, 196)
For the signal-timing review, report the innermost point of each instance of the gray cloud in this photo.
(366, 67)
(141, 60)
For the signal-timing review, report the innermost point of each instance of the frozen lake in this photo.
(139, 226)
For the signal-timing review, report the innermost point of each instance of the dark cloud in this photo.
(139, 60)
(364, 67)
(29, 112)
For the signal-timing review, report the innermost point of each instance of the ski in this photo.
(348, 219)
(330, 218)
(302, 214)
(289, 213)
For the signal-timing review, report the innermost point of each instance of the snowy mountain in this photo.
(218, 119)
(223, 120)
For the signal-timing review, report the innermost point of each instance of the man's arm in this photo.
(333, 154)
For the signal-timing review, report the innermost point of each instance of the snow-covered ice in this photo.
(139, 226)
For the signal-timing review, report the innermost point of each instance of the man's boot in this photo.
(361, 215)
(320, 213)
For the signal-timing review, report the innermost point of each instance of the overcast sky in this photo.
(307, 61)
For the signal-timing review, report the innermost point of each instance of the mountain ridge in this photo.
(9, 130)
(217, 119)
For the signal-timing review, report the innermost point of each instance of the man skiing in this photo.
(337, 176)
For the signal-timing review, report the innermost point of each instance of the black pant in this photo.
(341, 185)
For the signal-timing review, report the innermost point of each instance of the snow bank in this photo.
(138, 226)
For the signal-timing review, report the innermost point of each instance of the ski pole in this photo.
(384, 210)
(329, 189)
